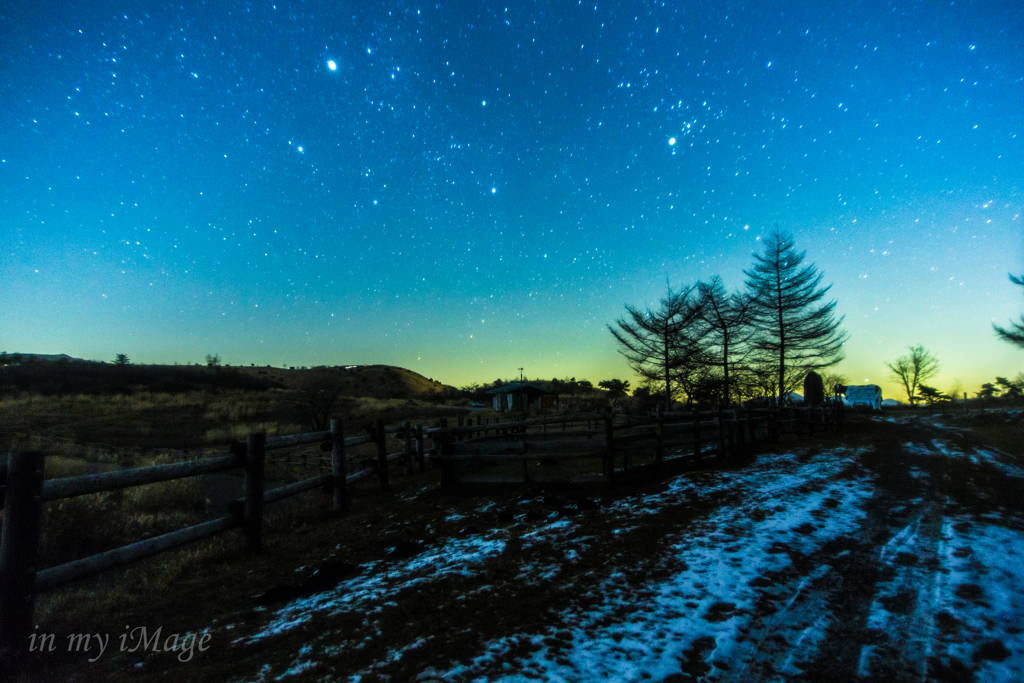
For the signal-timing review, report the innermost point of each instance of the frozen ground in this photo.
(903, 562)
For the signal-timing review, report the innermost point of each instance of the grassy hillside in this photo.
(63, 377)
(369, 381)
(114, 413)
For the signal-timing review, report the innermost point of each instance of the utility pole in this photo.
(521, 393)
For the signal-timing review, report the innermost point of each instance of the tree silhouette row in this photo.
(706, 346)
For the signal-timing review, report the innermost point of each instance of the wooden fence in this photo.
(667, 439)
(455, 448)
(23, 492)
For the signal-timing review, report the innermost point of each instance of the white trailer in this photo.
(869, 395)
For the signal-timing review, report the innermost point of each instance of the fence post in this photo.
(447, 471)
(735, 431)
(659, 440)
(252, 514)
(419, 447)
(609, 454)
(338, 466)
(382, 454)
(407, 447)
(696, 433)
(721, 432)
(22, 517)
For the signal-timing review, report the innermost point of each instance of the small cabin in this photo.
(522, 396)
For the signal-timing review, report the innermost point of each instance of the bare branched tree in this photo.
(913, 370)
(793, 330)
(728, 331)
(658, 344)
(833, 379)
(315, 400)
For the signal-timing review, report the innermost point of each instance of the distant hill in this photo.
(62, 374)
(48, 356)
(372, 381)
(64, 377)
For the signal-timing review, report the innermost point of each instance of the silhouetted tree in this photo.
(315, 398)
(988, 390)
(615, 387)
(1014, 334)
(122, 359)
(642, 400)
(831, 379)
(931, 395)
(791, 328)
(1010, 388)
(913, 370)
(706, 387)
(658, 343)
(212, 361)
(728, 329)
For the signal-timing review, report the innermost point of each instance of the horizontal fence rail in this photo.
(55, 577)
(55, 489)
(455, 449)
(614, 441)
(23, 492)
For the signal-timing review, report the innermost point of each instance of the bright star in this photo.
(493, 190)
(671, 141)
(332, 65)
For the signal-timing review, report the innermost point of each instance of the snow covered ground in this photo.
(709, 610)
(847, 563)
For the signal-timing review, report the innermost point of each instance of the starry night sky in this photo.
(468, 188)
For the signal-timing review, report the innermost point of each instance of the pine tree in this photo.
(792, 330)
(1015, 333)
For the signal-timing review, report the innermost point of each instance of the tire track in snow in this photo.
(946, 605)
(746, 581)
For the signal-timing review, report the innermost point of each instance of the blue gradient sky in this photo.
(478, 187)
